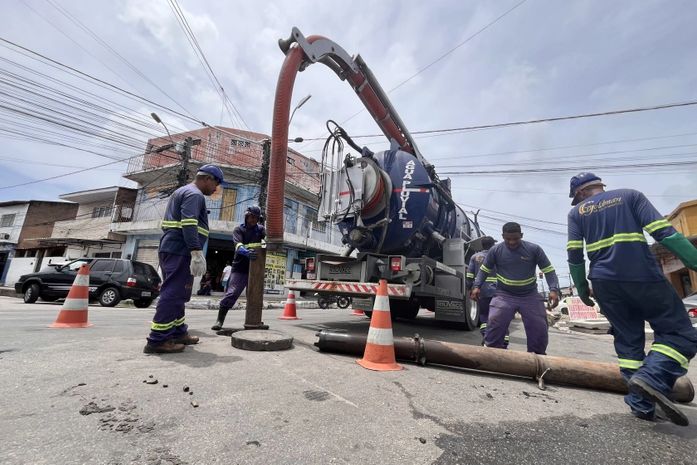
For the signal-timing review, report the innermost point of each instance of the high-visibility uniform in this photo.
(488, 289)
(185, 227)
(516, 291)
(630, 287)
(249, 237)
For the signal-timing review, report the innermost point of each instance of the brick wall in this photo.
(40, 220)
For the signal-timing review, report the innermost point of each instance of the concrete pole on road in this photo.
(255, 292)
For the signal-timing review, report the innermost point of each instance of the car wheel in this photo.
(31, 294)
(142, 303)
(109, 297)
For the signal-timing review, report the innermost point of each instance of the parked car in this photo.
(691, 304)
(111, 281)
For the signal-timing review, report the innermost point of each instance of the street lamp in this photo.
(300, 103)
(159, 121)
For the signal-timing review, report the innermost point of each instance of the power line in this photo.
(536, 121)
(570, 169)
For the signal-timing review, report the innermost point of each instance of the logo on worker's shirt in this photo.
(590, 207)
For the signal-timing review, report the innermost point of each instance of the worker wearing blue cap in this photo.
(185, 228)
(630, 288)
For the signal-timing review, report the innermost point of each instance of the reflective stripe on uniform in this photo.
(547, 269)
(574, 245)
(516, 282)
(672, 353)
(485, 269)
(482, 326)
(173, 224)
(165, 326)
(491, 280)
(656, 225)
(610, 241)
(470, 275)
(629, 363)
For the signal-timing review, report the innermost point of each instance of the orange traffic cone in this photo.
(73, 312)
(289, 309)
(357, 311)
(379, 348)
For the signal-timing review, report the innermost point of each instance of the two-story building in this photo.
(23, 223)
(240, 155)
(89, 233)
(683, 219)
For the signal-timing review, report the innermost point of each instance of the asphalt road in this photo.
(74, 396)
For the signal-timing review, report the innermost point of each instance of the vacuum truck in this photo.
(396, 217)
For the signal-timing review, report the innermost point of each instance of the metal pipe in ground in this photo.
(542, 368)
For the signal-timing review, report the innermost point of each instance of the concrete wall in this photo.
(40, 220)
(20, 212)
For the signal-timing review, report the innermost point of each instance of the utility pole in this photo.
(257, 268)
(185, 153)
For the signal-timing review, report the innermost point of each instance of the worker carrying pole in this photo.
(630, 288)
(185, 228)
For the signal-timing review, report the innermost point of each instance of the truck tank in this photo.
(389, 203)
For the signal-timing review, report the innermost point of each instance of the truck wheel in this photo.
(471, 315)
(368, 313)
(31, 294)
(343, 301)
(323, 302)
(407, 309)
(109, 297)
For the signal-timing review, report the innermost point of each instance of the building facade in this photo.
(23, 225)
(684, 219)
(240, 155)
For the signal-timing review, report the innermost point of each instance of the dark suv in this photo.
(111, 281)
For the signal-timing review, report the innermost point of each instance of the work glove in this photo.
(578, 274)
(249, 253)
(198, 263)
(682, 248)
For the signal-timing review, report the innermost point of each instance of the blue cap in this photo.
(212, 170)
(581, 181)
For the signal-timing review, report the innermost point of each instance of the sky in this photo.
(543, 59)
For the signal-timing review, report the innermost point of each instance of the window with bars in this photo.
(7, 220)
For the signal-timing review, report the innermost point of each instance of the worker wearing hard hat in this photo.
(515, 262)
(631, 289)
(489, 287)
(247, 237)
(185, 228)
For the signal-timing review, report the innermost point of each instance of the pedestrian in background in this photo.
(514, 262)
(631, 289)
(226, 275)
(247, 237)
(185, 228)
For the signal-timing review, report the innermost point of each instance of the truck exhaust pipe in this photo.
(541, 368)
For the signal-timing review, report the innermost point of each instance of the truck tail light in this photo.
(396, 263)
(310, 264)
(131, 282)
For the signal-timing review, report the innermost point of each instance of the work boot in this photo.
(222, 313)
(168, 347)
(640, 387)
(186, 339)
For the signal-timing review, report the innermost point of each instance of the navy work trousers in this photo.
(169, 322)
(627, 305)
(235, 285)
(532, 310)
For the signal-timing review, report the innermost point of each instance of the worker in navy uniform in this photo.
(514, 262)
(630, 288)
(489, 287)
(248, 237)
(185, 228)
